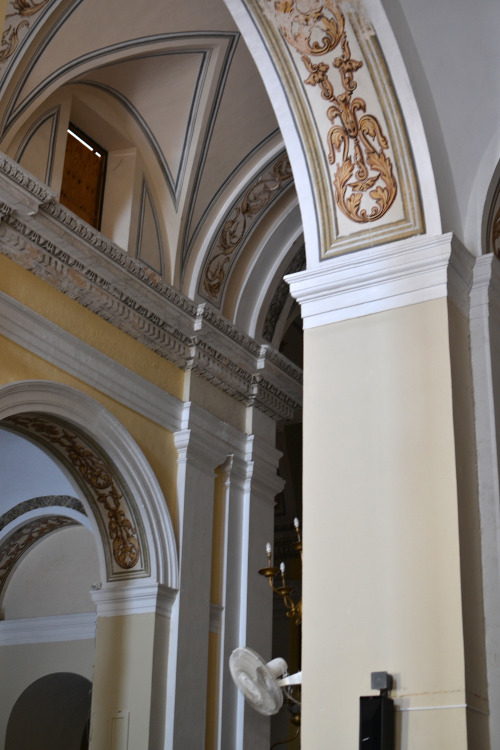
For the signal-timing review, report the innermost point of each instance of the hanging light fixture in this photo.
(294, 608)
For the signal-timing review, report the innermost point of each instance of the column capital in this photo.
(373, 280)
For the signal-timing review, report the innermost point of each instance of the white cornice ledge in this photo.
(30, 330)
(132, 598)
(373, 280)
(76, 627)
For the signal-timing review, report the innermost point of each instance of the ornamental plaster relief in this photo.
(120, 528)
(45, 238)
(328, 57)
(246, 212)
(18, 21)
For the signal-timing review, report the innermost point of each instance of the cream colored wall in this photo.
(381, 553)
(121, 697)
(55, 578)
(26, 663)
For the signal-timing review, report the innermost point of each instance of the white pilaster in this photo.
(485, 352)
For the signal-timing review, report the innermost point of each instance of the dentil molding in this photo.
(47, 239)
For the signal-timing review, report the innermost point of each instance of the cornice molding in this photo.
(23, 326)
(132, 599)
(373, 280)
(77, 627)
(50, 241)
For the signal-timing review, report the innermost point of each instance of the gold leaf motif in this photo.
(235, 229)
(10, 36)
(26, 8)
(356, 144)
(122, 534)
(10, 40)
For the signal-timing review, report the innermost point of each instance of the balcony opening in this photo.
(84, 171)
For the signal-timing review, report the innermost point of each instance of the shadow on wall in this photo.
(53, 712)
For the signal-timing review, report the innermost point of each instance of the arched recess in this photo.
(51, 712)
(123, 500)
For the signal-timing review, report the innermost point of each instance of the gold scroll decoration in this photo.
(239, 223)
(364, 183)
(21, 9)
(19, 542)
(96, 479)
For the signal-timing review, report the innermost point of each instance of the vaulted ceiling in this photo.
(175, 82)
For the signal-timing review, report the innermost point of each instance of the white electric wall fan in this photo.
(261, 683)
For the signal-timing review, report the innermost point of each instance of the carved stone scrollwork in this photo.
(98, 482)
(23, 538)
(237, 226)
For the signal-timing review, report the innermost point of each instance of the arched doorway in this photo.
(103, 487)
(53, 712)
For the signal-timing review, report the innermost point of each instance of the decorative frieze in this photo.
(340, 91)
(77, 260)
(125, 552)
(247, 210)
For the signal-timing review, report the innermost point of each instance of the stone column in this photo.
(248, 464)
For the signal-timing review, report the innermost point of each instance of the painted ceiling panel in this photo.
(79, 29)
(241, 127)
(163, 90)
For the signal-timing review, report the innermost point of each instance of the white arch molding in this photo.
(316, 212)
(159, 583)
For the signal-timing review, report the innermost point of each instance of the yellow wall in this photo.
(77, 320)
(381, 552)
(122, 680)
(18, 364)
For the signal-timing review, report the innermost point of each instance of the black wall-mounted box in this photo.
(376, 723)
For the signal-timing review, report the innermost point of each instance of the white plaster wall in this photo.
(55, 577)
